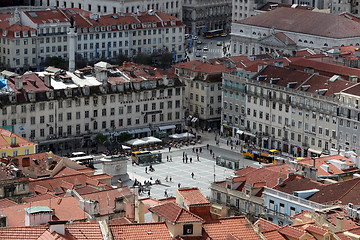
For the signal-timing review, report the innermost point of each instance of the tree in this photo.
(125, 136)
(58, 62)
(142, 58)
(100, 138)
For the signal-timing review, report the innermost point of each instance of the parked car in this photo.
(224, 35)
(199, 42)
(219, 44)
(198, 47)
(197, 54)
(205, 48)
(195, 37)
(187, 36)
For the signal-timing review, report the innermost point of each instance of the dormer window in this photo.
(25, 33)
(188, 229)
(13, 140)
(126, 26)
(17, 34)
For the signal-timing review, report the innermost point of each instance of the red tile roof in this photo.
(274, 235)
(22, 233)
(292, 20)
(193, 196)
(143, 231)
(174, 213)
(353, 90)
(292, 232)
(326, 69)
(66, 208)
(238, 227)
(119, 221)
(204, 67)
(6, 144)
(333, 169)
(82, 231)
(265, 225)
(107, 198)
(6, 203)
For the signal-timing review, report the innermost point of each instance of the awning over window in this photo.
(167, 127)
(239, 132)
(194, 119)
(139, 130)
(315, 151)
(249, 134)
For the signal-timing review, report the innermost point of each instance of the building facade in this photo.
(291, 111)
(30, 37)
(172, 7)
(282, 31)
(202, 15)
(203, 92)
(60, 114)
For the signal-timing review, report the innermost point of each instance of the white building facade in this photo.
(285, 30)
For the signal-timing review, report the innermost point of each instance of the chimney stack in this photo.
(57, 226)
(47, 79)
(18, 82)
(72, 35)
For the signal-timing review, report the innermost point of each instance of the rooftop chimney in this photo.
(18, 82)
(47, 79)
(57, 226)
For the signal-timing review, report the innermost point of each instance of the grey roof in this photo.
(307, 22)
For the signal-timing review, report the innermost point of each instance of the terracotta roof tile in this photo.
(6, 203)
(291, 232)
(238, 227)
(82, 231)
(274, 235)
(47, 235)
(265, 225)
(5, 140)
(204, 67)
(22, 233)
(292, 20)
(174, 213)
(143, 231)
(193, 196)
(119, 221)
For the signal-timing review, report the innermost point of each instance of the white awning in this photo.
(139, 130)
(249, 134)
(125, 147)
(315, 151)
(239, 132)
(167, 127)
(151, 140)
(135, 142)
(194, 119)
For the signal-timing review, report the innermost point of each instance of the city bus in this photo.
(213, 33)
(145, 157)
(266, 156)
(83, 160)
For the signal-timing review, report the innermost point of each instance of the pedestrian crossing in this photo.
(210, 50)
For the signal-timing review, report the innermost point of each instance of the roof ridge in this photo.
(358, 181)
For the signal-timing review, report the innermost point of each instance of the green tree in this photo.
(145, 59)
(125, 136)
(58, 62)
(100, 138)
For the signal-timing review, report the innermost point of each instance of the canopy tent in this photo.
(125, 147)
(151, 140)
(182, 135)
(136, 142)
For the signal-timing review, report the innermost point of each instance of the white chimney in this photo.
(47, 79)
(18, 82)
(37, 215)
(58, 227)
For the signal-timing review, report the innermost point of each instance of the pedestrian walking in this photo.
(190, 159)
(193, 149)
(183, 154)
(170, 158)
(145, 169)
(210, 151)
(149, 193)
(213, 155)
(167, 158)
(186, 160)
(165, 193)
(183, 159)
(179, 185)
(169, 148)
(170, 179)
(207, 146)
(197, 150)
(200, 149)
(197, 156)
(192, 175)
(166, 178)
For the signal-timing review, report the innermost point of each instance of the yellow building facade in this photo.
(14, 145)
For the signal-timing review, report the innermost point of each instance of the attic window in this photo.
(17, 34)
(188, 229)
(326, 45)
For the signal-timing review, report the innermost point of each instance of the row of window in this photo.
(95, 125)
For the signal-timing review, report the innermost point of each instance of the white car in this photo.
(219, 44)
(187, 36)
(224, 35)
(195, 37)
(205, 48)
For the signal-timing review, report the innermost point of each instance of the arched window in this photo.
(254, 33)
(300, 40)
(311, 42)
(264, 35)
(241, 30)
(305, 41)
(326, 45)
(357, 44)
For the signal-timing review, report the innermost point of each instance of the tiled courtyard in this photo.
(180, 172)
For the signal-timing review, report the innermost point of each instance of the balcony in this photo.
(297, 200)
